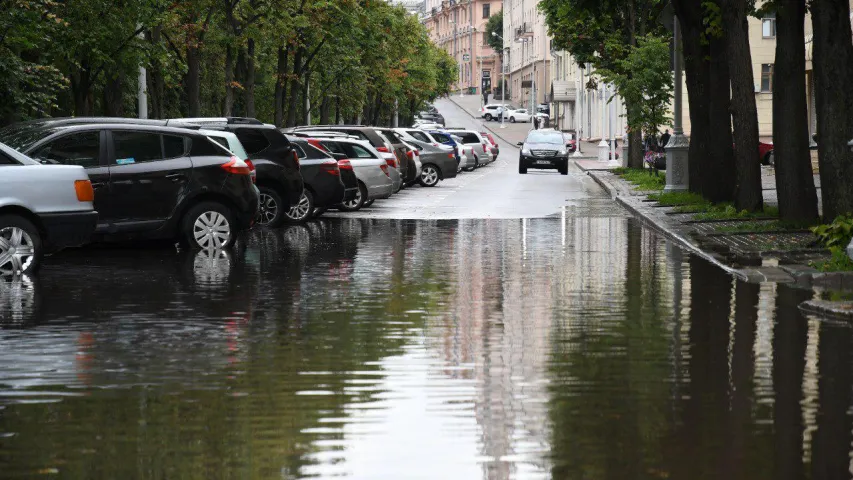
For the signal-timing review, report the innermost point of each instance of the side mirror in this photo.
(520, 144)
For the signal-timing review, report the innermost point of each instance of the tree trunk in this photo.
(696, 72)
(192, 83)
(249, 84)
(794, 175)
(228, 109)
(81, 89)
(748, 195)
(113, 101)
(156, 82)
(635, 144)
(292, 108)
(280, 78)
(833, 72)
(720, 180)
(306, 99)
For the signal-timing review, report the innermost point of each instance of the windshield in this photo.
(555, 138)
(22, 138)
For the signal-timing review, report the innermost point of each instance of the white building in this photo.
(529, 55)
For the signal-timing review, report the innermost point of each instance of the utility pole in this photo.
(677, 177)
(602, 145)
(142, 91)
(579, 112)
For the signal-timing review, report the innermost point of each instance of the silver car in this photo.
(468, 159)
(371, 170)
(474, 139)
(42, 208)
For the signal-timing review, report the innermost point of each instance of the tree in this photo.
(794, 176)
(604, 33)
(833, 72)
(748, 195)
(495, 31)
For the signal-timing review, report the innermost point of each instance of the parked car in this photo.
(427, 126)
(468, 158)
(544, 148)
(438, 163)
(380, 143)
(279, 178)
(370, 168)
(473, 137)
(494, 149)
(410, 171)
(433, 116)
(492, 111)
(518, 115)
(151, 181)
(323, 185)
(42, 209)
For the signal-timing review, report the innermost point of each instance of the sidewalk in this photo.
(512, 133)
(759, 255)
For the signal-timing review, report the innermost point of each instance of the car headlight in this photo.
(525, 151)
(561, 151)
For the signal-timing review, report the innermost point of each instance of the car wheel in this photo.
(522, 169)
(429, 176)
(356, 203)
(20, 246)
(488, 117)
(301, 212)
(511, 119)
(272, 208)
(209, 226)
(477, 163)
(564, 170)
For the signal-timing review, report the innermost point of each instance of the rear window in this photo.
(357, 151)
(204, 147)
(420, 136)
(21, 138)
(333, 147)
(469, 137)
(254, 141)
(440, 137)
(310, 151)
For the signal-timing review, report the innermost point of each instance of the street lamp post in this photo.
(677, 177)
(578, 112)
(503, 77)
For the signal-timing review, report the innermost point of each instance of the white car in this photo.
(42, 208)
(492, 111)
(519, 115)
(428, 126)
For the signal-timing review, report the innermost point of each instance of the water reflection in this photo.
(566, 347)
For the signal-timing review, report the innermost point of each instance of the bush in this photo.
(836, 234)
(839, 262)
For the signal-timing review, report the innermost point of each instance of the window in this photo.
(357, 151)
(254, 141)
(768, 26)
(420, 136)
(334, 147)
(299, 152)
(6, 160)
(83, 149)
(767, 77)
(440, 137)
(487, 10)
(469, 137)
(173, 146)
(137, 147)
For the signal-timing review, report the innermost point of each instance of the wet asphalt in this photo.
(447, 333)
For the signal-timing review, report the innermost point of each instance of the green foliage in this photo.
(641, 178)
(495, 25)
(727, 211)
(680, 198)
(836, 234)
(838, 262)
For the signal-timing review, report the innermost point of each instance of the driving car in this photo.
(518, 115)
(544, 149)
(43, 208)
(151, 182)
(491, 111)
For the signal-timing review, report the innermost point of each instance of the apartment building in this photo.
(529, 56)
(459, 26)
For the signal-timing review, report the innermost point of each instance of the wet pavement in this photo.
(575, 345)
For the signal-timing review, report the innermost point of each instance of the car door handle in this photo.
(176, 177)
(97, 185)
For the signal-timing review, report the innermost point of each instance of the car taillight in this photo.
(296, 158)
(484, 148)
(237, 167)
(385, 170)
(344, 164)
(84, 190)
(450, 155)
(410, 154)
(330, 167)
(252, 171)
(391, 162)
(383, 149)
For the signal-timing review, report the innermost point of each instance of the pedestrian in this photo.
(664, 139)
(535, 122)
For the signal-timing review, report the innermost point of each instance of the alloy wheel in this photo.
(429, 175)
(268, 209)
(17, 251)
(211, 230)
(354, 203)
(301, 209)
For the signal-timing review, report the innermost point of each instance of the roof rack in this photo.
(309, 127)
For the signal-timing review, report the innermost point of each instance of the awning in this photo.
(563, 91)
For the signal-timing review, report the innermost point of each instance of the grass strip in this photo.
(641, 178)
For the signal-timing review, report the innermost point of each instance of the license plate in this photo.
(543, 162)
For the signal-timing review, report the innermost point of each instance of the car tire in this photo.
(564, 170)
(209, 226)
(19, 233)
(357, 203)
(488, 117)
(302, 211)
(272, 208)
(430, 175)
(511, 119)
(522, 169)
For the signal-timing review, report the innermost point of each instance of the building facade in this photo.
(414, 7)
(459, 26)
(528, 52)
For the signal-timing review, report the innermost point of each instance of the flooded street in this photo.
(573, 346)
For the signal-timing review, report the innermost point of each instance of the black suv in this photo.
(545, 148)
(326, 184)
(278, 175)
(150, 182)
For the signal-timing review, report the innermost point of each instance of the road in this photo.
(494, 191)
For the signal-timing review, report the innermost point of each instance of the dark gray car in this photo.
(437, 163)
